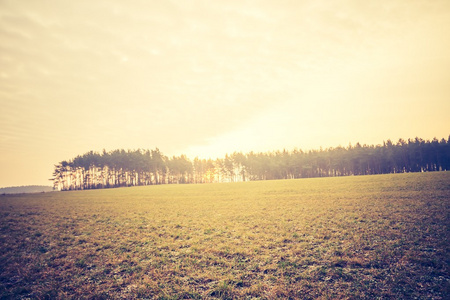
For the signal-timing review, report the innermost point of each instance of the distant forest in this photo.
(120, 168)
(25, 189)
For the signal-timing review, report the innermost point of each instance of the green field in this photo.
(380, 236)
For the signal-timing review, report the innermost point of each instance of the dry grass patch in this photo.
(354, 237)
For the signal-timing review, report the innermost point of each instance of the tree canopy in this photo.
(119, 168)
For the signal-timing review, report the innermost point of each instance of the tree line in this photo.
(119, 168)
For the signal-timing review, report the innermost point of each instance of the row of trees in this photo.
(146, 167)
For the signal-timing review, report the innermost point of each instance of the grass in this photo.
(365, 237)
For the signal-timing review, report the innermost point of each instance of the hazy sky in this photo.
(208, 77)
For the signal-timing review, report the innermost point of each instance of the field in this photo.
(361, 237)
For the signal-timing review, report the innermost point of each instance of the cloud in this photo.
(81, 75)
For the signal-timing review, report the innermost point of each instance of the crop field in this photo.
(360, 237)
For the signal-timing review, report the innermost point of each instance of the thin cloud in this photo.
(79, 75)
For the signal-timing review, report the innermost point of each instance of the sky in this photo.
(205, 78)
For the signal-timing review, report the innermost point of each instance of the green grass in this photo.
(365, 237)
